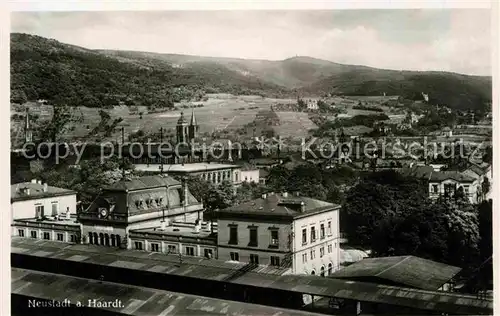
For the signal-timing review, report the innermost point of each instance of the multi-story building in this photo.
(45, 212)
(281, 230)
(187, 239)
(137, 203)
(212, 172)
(448, 183)
(37, 200)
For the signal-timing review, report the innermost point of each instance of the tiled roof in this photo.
(428, 173)
(277, 204)
(146, 182)
(35, 191)
(404, 270)
(453, 175)
(199, 269)
(135, 300)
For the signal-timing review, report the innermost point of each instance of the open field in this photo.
(294, 124)
(219, 112)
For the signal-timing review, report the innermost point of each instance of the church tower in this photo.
(28, 133)
(182, 130)
(193, 127)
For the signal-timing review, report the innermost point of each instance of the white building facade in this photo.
(30, 200)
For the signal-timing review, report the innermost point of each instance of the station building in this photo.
(281, 230)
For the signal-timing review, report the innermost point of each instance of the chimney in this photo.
(264, 196)
(45, 187)
(285, 194)
(163, 225)
(196, 228)
(302, 207)
(68, 215)
(33, 181)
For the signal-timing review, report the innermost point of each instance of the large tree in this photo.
(381, 196)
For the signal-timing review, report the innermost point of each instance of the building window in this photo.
(55, 208)
(72, 238)
(304, 257)
(330, 248)
(253, 237)
(322, 231)
(321, 252)
(304, 236)
(155, 247)
(322, 271)
(274, 238)
(20, 232)
(189, 251)
(254, 259)
(234, 256)
(33, 234)
(434, 188)
(208, 253)
(329, 228)
(138, 245)
(449, 189)
(313, 254)
(275, 261)
(39, 211)
(313, 234)
(171, 249)
(60, 237)
(233, 234)
(46, 235)
(236, 177)
(466, 189)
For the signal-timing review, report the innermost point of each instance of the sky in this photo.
(457, 40)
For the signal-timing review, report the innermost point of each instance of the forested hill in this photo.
(43, 68)
(47, 69)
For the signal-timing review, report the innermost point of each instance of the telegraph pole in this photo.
(123, 158)
(159, 150)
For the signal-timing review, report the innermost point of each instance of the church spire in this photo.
(193, 119)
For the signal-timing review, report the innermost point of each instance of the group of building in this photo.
(157, 213)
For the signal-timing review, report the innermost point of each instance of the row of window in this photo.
(312, 252)
(104, 239)
(322, 270)
(450, 188)
(40, 210)
(313, 233)
(172, 249)
(253, 236)
(46, 235)
(218, 176)
(254, 258)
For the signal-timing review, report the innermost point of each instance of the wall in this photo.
(26, 209)
(306, 267)
(199, 248)
(263, 249)
(250, 176)
(70, 235)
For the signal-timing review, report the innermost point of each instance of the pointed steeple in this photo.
(193, 119)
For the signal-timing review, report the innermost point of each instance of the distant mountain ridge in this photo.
(144, 77)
